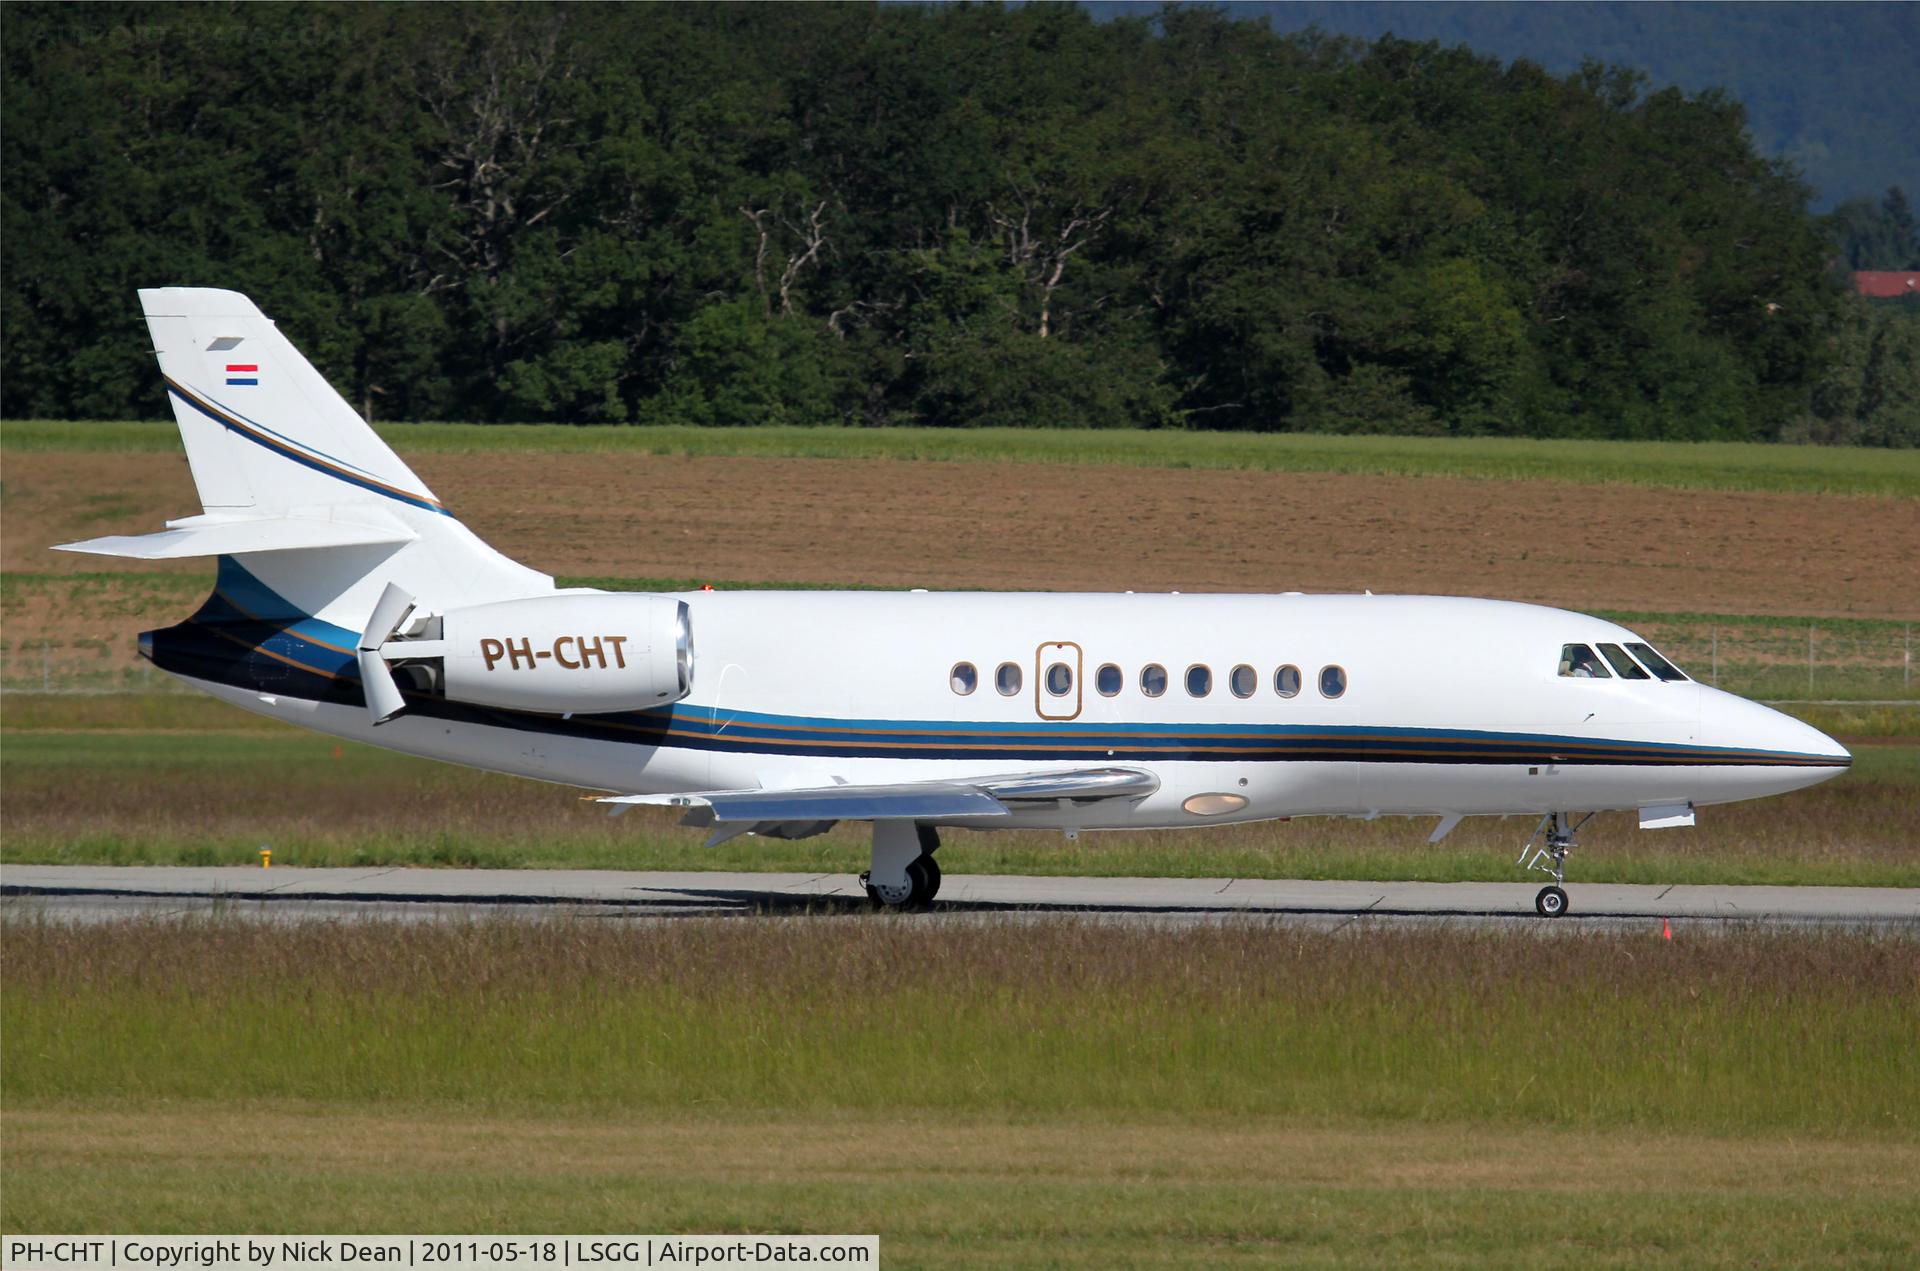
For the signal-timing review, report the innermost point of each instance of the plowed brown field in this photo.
(984, 525)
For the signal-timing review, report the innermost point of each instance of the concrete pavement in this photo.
(106, 891)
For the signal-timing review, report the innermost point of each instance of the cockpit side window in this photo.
(1579, 662)
(1625, 666)
(1655, 663)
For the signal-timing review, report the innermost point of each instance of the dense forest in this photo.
(746, 214)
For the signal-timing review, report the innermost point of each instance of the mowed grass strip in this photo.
(178, 795)
(1686, 465)
(966, 1189)
(1750, 1030)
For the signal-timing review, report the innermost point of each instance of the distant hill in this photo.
(1832, 87)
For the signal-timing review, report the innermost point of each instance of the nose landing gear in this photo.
(1552, 859)
(904, 874)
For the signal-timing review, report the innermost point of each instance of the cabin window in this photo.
(1199, 681)
(1655, 663)
(1286, 681)
(1107, 679)
(1333, 681)
(1059, 679)
(963, 679)
(1007, 679)
(1625, 667)
(1243, 681)
(1578, 662)
(1153, 679)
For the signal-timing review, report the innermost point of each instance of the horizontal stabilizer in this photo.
(235, 536)
(911, 800)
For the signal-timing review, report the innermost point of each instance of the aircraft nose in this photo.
(1775, 750)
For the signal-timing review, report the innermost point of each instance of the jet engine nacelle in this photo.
(568, 654)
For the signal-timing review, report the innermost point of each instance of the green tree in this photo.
(1880, 235)
(738, 366)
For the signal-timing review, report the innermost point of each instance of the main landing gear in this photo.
(1552, 859)
(904, 874)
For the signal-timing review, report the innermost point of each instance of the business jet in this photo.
(349, 600)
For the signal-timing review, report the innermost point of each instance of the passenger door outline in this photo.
(1065, 707)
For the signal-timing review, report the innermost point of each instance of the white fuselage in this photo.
(1449, 706)
(350, 599)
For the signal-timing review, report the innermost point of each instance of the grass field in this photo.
(1059, 1093)
(963, 1190)
(1056, 1094)
(178, 783)
(1685, 465)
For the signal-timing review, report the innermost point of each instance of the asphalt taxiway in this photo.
(94, 893)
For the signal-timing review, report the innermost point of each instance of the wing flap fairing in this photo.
(920, 801)
(1086, 785)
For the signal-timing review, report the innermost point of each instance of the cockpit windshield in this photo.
(1580, 662)
(1655, 663)
(1625, 666)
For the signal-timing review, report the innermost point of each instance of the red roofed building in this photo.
(1886, 284)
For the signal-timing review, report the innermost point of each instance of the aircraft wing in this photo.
(800, 813)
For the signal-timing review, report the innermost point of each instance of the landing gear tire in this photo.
(923, 884)
(885, 897)
(1551, 902)
(922, 874)
(925, 873)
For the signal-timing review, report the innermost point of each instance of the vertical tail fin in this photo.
(294, 486)
(264, 431)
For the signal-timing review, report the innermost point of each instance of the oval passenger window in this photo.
(1199, 681)
(1333, 681)
(963, 678)
(1107, 680)
(1153, 679)
(1286, 681)
(1243, 681)
(1007, 679)
(1059, 679)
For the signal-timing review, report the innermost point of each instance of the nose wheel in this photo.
(1551, 859)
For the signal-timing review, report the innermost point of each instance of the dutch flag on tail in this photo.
(242, 373)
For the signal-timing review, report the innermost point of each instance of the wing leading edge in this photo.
(801, 813)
